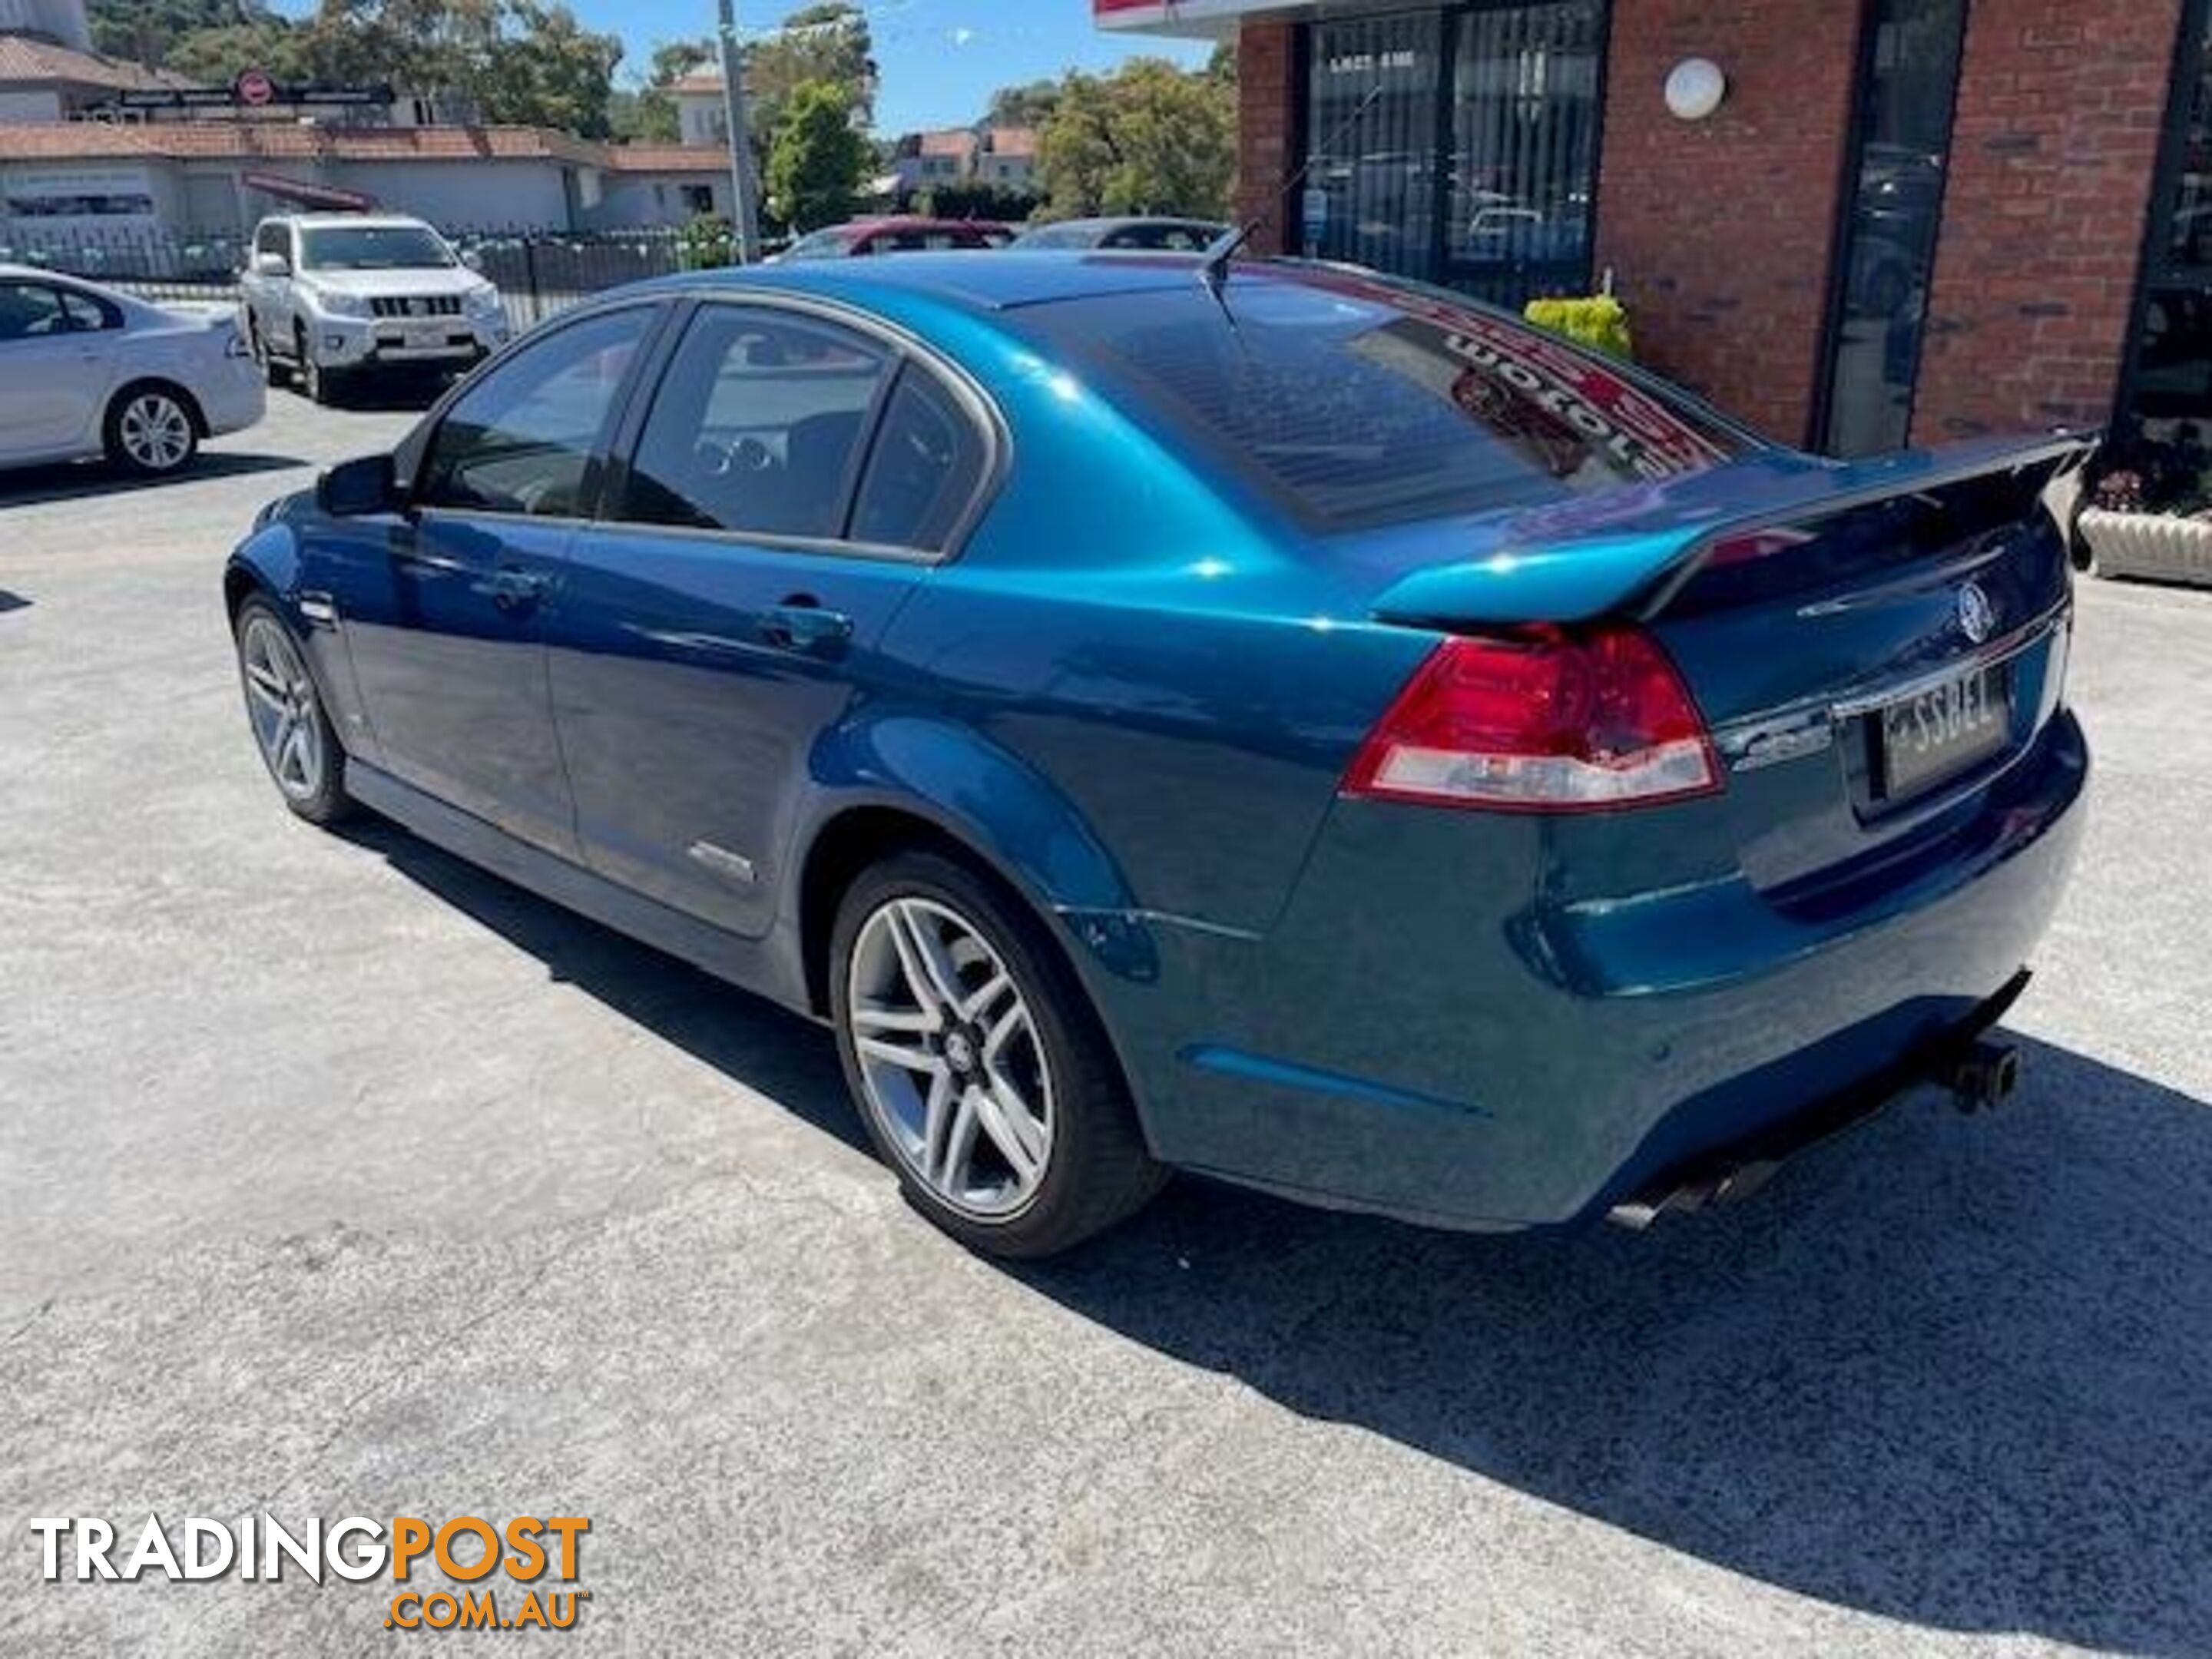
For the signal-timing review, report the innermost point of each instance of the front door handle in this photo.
(512, 589)
(800, 623)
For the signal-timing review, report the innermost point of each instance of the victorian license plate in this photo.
(1945, 730)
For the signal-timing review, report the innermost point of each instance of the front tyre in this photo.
(978, 1065)
(150, 431)
(297, 741)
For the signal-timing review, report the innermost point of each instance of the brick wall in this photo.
(2060, 103)
(1268, 98)
(1719, 232)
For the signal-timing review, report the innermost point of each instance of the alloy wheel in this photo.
(949, 1057)
(154, 432)
(280, 698)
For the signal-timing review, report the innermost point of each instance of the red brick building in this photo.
(1904, 220)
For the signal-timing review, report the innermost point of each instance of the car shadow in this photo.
(396, 395)
(12, 602)
(752, 1042)
(75, 481)
(1952, 1372)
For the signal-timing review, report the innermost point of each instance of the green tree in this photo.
(1149, 139)
(545, 69)
(818, 160)
(826, 44)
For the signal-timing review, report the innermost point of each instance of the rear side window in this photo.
(758, 427)
(88, 315)
(927, 460)
(1355, 401)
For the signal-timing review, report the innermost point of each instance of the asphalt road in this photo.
(337, 1179)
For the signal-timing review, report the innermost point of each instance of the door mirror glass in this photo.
(358, 489)
(271, 264)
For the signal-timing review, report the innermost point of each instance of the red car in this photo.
(863, 237)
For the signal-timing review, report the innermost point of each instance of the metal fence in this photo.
(539, 273)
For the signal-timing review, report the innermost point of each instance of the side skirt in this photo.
(766, 967)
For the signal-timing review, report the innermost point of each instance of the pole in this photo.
(741, 160)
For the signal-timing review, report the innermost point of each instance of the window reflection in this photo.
(1903, 145)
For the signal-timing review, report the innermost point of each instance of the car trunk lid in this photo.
(1871, 643)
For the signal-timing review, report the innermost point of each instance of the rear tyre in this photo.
(978, 1064)
(151, 430)
(297, 741)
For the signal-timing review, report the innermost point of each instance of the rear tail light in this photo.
(1543, 721)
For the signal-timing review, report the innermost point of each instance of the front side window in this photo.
(31, 311)
(523, 440)
(371, 247)
(758, 427)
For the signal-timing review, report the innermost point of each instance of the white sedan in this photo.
(85, 371)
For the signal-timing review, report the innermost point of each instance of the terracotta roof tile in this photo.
(22, 58)
(186, 140)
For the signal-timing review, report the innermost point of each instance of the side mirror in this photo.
(271, 264)
(359, 490)
(472, 259)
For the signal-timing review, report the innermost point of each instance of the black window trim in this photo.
(904, 352)
(409, 467)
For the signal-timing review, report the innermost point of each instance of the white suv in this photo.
(327, 295)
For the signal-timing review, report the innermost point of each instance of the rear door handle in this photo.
(801, 624)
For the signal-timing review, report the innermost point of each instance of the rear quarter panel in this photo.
(1148, 645)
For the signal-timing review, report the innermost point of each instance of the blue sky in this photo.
(941, 59)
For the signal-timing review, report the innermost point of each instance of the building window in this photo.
(1476, 162)
(1908, 88)
(699, 199)
(2165, 412)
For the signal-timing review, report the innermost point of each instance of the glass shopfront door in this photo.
(1459, 146)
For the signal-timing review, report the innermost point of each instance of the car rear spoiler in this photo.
(1630, 550)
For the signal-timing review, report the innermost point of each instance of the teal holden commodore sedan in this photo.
(1257, 719)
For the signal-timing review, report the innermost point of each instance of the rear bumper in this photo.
(1467, 1051)
(234, 397)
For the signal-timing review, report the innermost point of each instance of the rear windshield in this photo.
(371, 247)
(1356, 402)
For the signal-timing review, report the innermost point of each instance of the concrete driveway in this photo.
(337, 1179)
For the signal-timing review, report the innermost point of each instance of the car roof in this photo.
(1123, 222)
(1008, 280)
(376, 220)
